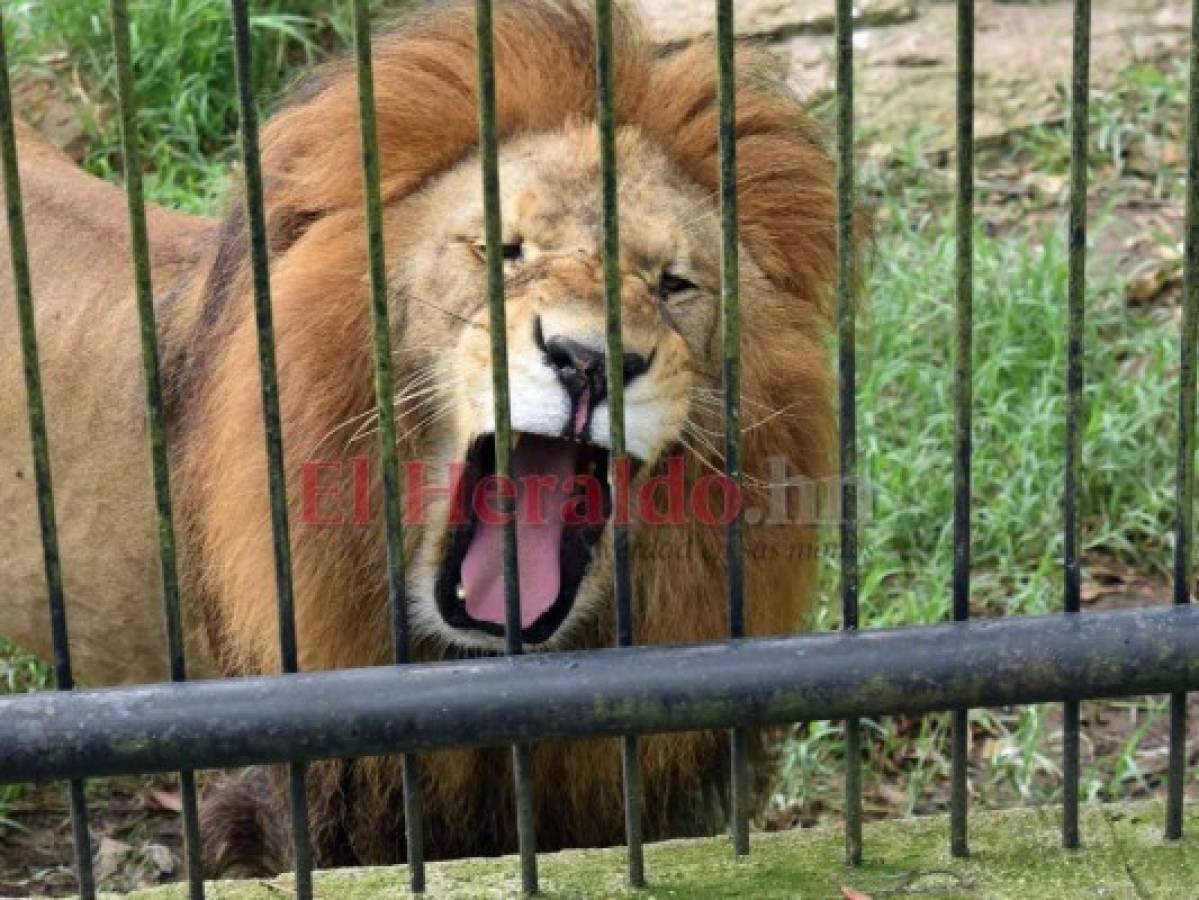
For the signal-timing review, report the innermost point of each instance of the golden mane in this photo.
(425, 72)
(426, 102)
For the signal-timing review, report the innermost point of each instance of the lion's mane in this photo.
(425, 73)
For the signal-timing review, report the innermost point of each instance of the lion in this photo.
(667, 148)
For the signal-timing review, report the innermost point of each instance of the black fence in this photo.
(625, 691)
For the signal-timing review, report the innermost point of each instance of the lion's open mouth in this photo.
(562, 503)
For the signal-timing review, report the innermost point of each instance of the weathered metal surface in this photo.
(622, 584)
(1185, 479)
(730, 322)
(139, 243)
(522, 757)
(403, 709)
(1076, 303)
(23, 292)
(268, 375)
(963, 395)
(385, 407)
(848, 403)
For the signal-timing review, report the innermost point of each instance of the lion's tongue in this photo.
(538, 537)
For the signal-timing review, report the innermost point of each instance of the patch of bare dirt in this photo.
(42, 100)
(673, 23)
(1109, 584)
(1108, 726)
(136, 838)
(905, 57)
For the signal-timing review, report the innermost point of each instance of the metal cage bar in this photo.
(1076, 302)
(1185, 479)
(618, 454)
(268, 373)
(139, 242)
(730, 321)
(963, 398)
(848, 413)
(385, 404)
(40, 449)
(522, 755)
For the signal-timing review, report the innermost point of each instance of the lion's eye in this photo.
(510, 251)
(670, 284)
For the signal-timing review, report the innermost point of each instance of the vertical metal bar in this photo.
(617, 457)
(522, 757)
(1185, 479)
(384, 401)
(1074, 378)
(730, 317)
(847, 359)
(140, 249)
(268, 373)
(39, 445)
(963, 397)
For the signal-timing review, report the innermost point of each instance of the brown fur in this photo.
(425, 77)
(425, 94)
(77, 234)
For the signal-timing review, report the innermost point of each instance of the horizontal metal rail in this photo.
(406, 709)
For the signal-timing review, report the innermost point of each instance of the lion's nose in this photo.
(581, 366)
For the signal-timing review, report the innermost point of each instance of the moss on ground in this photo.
(1015, 854)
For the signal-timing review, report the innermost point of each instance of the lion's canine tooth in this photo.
(461, 592)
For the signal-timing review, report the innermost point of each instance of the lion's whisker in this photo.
(415, 387)
(698, 453)
(747, 478)
(707, 442)
(336, 428)
(417, 392)
(362, 429)
(433, 417)
(448, 312)
(782, 411)
(749, 482)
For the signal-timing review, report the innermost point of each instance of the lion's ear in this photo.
(285, 225)
(227, 271)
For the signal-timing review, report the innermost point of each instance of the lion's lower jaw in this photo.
(356, 808)
(582, 629)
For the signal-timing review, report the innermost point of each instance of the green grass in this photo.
(907, 421)
(906, 427)
(1135, 125)
(184, 86)
(19, 672)
(187, 117)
